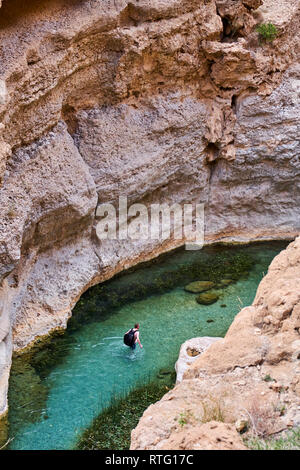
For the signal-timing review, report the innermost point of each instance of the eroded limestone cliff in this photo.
(252, 375)
(162, 101)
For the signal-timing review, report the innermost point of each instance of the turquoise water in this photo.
(89, 363)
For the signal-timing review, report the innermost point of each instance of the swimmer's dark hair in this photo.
(137, 325)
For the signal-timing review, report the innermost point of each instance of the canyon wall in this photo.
(252, 376)
(161, 101)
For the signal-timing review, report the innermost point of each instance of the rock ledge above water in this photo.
(191, 350)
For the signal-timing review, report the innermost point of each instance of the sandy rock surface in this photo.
(209, 436)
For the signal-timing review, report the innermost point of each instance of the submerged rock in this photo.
(163, 373)
(199, 286)
(207, 298)
(225, 282)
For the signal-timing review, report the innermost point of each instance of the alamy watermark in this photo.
(158, 222)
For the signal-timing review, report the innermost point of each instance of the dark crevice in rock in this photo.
(212, 166)
(230, 34)
(68, 114)
(234, 103)
(212, 152)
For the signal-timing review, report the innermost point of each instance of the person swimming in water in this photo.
(136, 336)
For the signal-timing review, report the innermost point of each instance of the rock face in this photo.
(161, 101)
(253, 374)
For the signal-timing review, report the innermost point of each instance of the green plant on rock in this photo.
(267, 32)
(281, 408)
(185, 417)
(268, 378)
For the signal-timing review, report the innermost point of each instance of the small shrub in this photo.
(280, 408)
(261, 417)
(267, 32)
(268, 378)
(212, 410)
(185, 417)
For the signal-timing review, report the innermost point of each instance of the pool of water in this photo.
(56, 392)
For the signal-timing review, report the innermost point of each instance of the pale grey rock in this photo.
(194, 345)
(3, 91)
(48, 203)
(149, 153)
(259, 192)
(279, 13)
(53, 283)
(5, 344)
